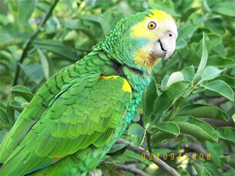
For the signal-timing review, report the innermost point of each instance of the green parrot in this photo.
(81, 111)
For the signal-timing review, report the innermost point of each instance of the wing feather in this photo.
(80, 116)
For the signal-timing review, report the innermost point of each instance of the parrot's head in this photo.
(141, 39)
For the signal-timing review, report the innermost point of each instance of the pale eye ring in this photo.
(152, 25)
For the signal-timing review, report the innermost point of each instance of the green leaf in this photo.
(214, 25)
(185, 33)
(227, 133)
(175, 77)
(210, 73)
(216, 150)
(201, 171)
(160, 136)
(44, 62)
(221, 88)
(164, 82)
(137, 134)
(117, 149)
(168, 97)
(4, 123)
(168, 127)
(206, 6)
(203, 111)
(25, 10)
(189, 73)
(221, 62)
(229, 80)
(204, 57)
(22, 91)
(33, 71)
(195, 127)
(16, 106)
(230, 159)
(183, 172)
(225, 8)
(57, 48)
(98, 19)
(148, 98)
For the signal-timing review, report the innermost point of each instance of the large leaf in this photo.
(195, 127)
(117, 149)
(23, 92)
(221, 62)
(33, 71)
(216, 150)
(225, 8)
(221, 88)
(201, 171)
(45, 64)
(227, 133)
(58, 48)
(210, 73)
(189, 73)
(4, 123)
(168, 127)
(148, 99)
(204, 57)
(183, 172)
(160, 136)
(25, 10)
(168, 97)
(230, 159)
(137, 134)
(203, 111)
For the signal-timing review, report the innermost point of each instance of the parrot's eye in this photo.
(152, 25)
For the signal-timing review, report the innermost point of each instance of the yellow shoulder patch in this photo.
(126, 86)
(108, 77)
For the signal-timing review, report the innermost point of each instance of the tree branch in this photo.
(155, 160)
(219, 123)
(128, 168)
(30, 41)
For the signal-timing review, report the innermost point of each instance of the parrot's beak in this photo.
(165, 46)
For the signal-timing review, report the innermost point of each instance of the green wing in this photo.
(71, 117)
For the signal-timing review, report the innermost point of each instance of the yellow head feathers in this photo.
(162, 20)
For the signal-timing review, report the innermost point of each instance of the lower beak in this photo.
(164, 47)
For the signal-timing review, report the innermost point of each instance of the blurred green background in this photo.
(188, 108)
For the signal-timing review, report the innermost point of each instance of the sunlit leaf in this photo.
(221, 88)
(203, 111)
(195, 127)
(25, 10)
(227, 133)
(225, 8)
(201, 171)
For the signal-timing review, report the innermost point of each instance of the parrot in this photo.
(80, 112)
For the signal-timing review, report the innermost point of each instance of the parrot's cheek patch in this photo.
(146, 57)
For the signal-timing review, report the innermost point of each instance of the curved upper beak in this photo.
(165, 46)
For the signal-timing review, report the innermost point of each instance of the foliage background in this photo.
(187, 110)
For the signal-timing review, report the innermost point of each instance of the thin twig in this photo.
(155, 160)
(30, 42)
(128, 168)
(222, 100)
(186, 146)
(219, 123)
